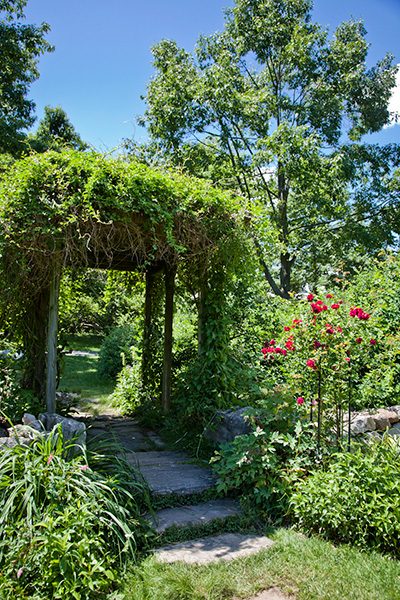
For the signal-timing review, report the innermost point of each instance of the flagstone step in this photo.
(172, 472)
(228, 546)
(198, 514)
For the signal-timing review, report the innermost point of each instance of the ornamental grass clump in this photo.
(66, 529)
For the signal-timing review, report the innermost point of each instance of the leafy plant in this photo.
(355, 500)
(14, 401)
(65, 528)
(117, 344)
(128, 391)
(263, 466)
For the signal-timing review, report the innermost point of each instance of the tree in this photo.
(20, 47)
(55, 132)
(287, 106)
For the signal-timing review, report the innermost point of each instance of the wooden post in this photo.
(148, 312)
(51, 371)
(170, 273)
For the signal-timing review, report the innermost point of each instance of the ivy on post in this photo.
(151, 334)
(170, 273)
(52, 330)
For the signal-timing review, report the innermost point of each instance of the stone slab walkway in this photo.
(169, 472)
(195, 515)
(227, 546)
(175, 473)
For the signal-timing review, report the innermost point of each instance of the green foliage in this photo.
(355, 499)
(21, 45)
(263, 466)
(128, 391)
(280, 107)
(311, 567)
(15, 401)
(115, 346)
(65, 528)
(81, 305)
(55, 132)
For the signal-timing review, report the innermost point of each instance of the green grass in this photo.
(307, 568)
(79, 374)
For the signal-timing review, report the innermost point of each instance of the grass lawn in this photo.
(79, 373)
(304, 568)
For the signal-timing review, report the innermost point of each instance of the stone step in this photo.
(171, 473)
(198, 514)
(211, 549)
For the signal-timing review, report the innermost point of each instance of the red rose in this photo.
(300, 400)
(287, 328)
(329, 296)
(311, 364)
(372, 342)
(335, 306)
(310, 297)
(358, 340)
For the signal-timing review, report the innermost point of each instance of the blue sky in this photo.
(102, 60)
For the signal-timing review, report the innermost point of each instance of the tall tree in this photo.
(55, 132)
(20, 47)
(287, 105)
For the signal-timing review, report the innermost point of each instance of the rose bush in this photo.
(322, 356)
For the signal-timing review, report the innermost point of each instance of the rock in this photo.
(227, 546)
(227, 425)
(24, 434)
(395, 430)
(32, 421)
(71, 429)
(8, 442)
(395, 409)
(362, 424)
(384, 418)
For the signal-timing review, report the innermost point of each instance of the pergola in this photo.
(83, 209)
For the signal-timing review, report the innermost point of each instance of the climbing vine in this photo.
(79, 209)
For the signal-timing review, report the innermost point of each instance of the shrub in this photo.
(65, 529)
(117, 343)
(127, 393)
(263, 466)
(355, 500)
(15, 401)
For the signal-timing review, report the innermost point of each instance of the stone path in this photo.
(220, 547)
(270, 594)
(175, 474)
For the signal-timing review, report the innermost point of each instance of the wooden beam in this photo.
(170, 273)
(52, 329)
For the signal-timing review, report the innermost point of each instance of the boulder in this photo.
(23, 434)
(395, 430)
(8, 442)
(362, 424)
(71, 429)
(32, 421)
(384, 418)
(396, 410)
(228, 424)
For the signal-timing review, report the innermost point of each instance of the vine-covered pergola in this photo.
(86, 210)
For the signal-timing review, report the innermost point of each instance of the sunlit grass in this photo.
(79, 374)
(303, 568)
